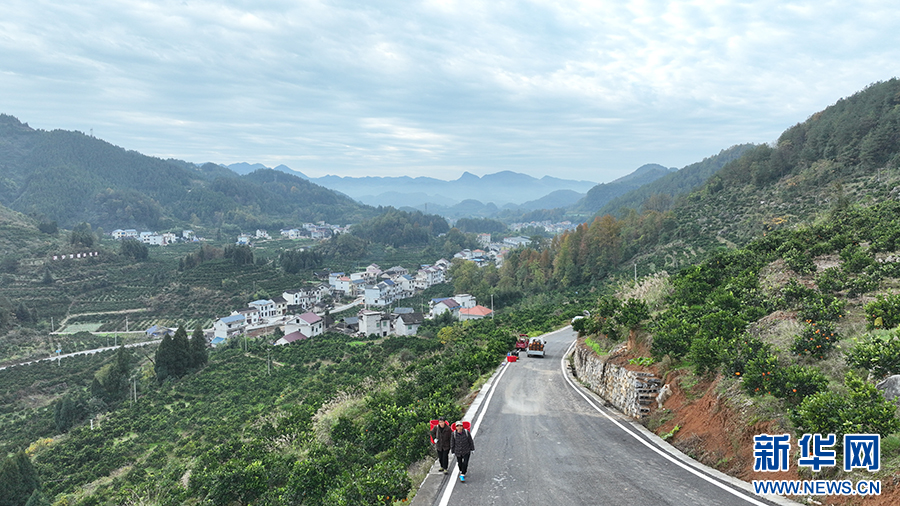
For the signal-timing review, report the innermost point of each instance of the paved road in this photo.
(541, 440)
(82, 352)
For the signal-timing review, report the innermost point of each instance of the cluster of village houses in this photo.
(373, 287)
(319, 230)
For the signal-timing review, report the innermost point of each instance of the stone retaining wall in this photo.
(631, 392)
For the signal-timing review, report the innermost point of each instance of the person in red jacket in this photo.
(462, 445)
(440, 435)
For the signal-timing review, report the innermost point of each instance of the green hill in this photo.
(659, 194)
(603, 193)
(70, 177)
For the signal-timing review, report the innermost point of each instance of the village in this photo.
(373, 288)
(301, 313)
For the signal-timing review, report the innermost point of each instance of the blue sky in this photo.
(574, 89)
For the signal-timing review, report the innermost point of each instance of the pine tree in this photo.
(182, 352)
(199, 354)
(67, 412)
(162, 365)
(18, 480)
(111, 381)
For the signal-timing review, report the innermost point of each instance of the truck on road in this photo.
(535, 347)
(521, 343)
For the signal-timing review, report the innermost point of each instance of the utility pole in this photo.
(492, 306)
(635, 273)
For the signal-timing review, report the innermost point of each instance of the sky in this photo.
(586, 90)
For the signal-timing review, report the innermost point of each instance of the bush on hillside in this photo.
(877, 353)
(862, 410)
(883, 312)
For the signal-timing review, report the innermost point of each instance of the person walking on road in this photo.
(462, 445)
(441, 434)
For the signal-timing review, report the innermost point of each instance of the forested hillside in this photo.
(659, 195)
(603, 193)
(69, 177)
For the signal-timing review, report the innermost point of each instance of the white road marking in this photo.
(663, 454)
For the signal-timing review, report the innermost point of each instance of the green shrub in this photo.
(706, 354)
(795, 383)
(815, 340)
(878, 353)
(883, 312)
(855, 259)
(863, 283)
(793, 291)
(821, 307)
(863, 410)
(799, 261)
(759, 374)
(672, 336)
(832, 279)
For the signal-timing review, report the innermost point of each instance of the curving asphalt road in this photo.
(541, 438)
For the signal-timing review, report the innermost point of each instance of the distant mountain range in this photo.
(490, 195)
(501, 188)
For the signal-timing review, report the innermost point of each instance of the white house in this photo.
(265, 309)
(262, 234)
(408, 324)
(292, 233)
(373, 271)
(382, 294)
(406, 284)
(374, 322)
(152, 239)
(243, 239)
(394, 272)
(305, 297)
(465, 300)
(442, 305)
(251, 315)
(515, 242)
(428, 276)
(229, 326)
(309, 324)
(339, 282)
(281, 305)
(320, 233)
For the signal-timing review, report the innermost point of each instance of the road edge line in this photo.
(672, 454)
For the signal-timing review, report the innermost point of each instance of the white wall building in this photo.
(229, 326)
(309, 324)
